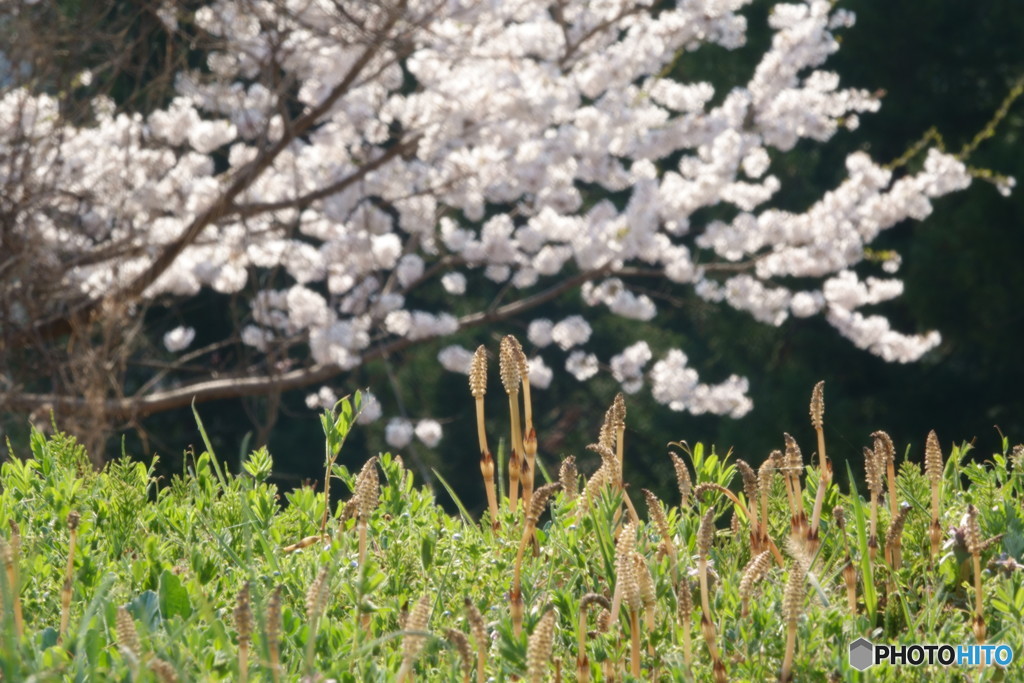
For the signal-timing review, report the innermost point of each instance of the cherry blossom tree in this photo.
(342, 169)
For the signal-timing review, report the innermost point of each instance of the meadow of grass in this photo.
(747, 575)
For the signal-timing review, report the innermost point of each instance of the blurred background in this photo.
(942, 65)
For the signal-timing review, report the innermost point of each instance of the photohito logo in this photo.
(864, 654)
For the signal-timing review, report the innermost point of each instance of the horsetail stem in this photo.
(824, 467)
(243, 624)
(65, 592)
(273, 633)
(792, 606)
(582, 662)
(508, 363)
(974, 547)
(657, 515)
(536, 509)
(705, 536)
(933, 467)
(478, 388)
(873, 468)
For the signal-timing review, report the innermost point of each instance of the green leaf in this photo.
(173, 597)
(427, 551)
(145, 608)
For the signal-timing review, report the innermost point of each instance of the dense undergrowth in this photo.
(113, 575)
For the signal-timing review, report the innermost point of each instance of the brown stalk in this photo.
(873, 468)
(536, 509)
(752, 575)
(476, 624)
(684, 612)
(793, 467)
(648, 597)
(791, 607)
(974, 547)
(618, 424)
(933, 467)
(849, 571)
(65, 593)
(412, 643)
(682, 479)
(316, 603)
(624, 548)
(894, 538)
(538, 648)
(825, 467)
(128, 638)
(887, 452)
(711, 486)
(529, 434)
(273, 629)
(657, 515)
(750, 493)
(243, 623)
(582, 663)
(569, 478)
(367, 494)
(705, 536)
(460, 642)
(478, 388)
(764, 486)
(510, 377)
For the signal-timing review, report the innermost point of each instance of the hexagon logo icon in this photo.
(861, 654)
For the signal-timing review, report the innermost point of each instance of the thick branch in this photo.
(236, 386)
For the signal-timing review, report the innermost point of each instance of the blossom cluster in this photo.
(482, 173)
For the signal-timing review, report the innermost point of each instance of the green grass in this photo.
(175, 555)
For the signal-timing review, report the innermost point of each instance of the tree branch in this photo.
(239, 385)
(223, 205)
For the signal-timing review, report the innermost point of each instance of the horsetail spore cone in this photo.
(478, 388)
(886, 451)
(894, 537)
(657, 516)
(793, 467)
(538, 648)
(412, 643)
(508, 364)
(974, 547)
(873, 472)
(750, 492)
(824, 467)
(568, 476)
(243, 624)
(533, 513)
(792, 606)
(682, 479)
(460, 642)
(752, 575)
(933, 467)
(476, 626)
